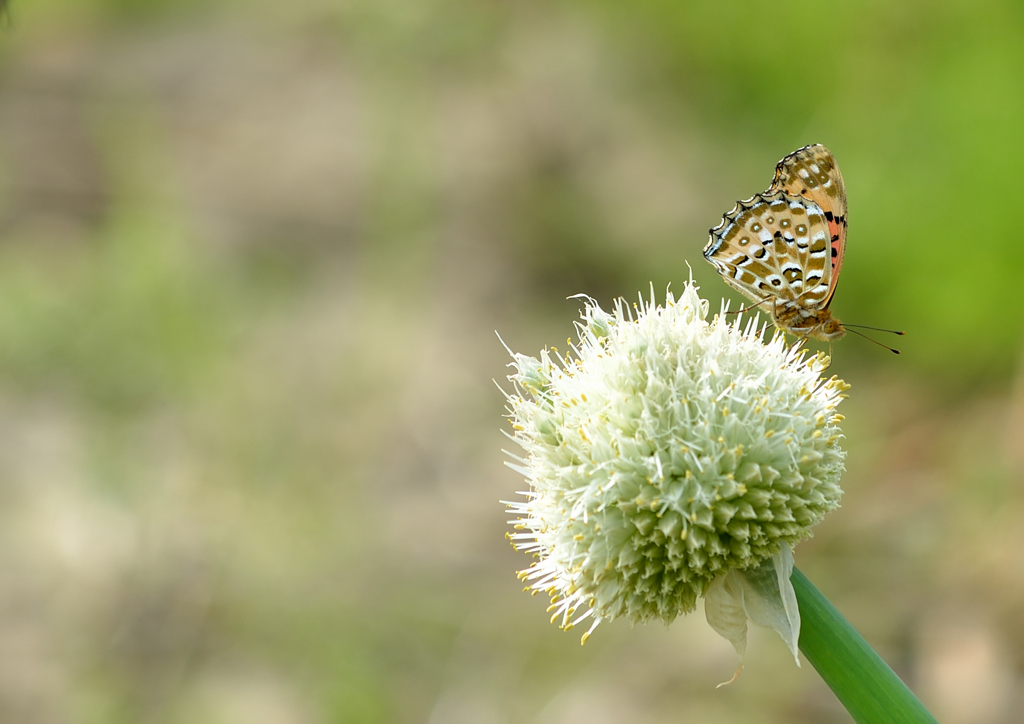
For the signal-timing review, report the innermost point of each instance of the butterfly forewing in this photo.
(812, 173)
(774, 246)
(784, 248)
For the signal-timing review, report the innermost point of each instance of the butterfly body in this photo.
(819, 324)
(784, 248)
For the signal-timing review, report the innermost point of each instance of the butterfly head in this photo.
(829, 330)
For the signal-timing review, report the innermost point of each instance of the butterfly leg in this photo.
(741, 310)
(802, 340)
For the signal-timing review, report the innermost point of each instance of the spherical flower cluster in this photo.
(663, 453)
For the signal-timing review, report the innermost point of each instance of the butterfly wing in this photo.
(774, 246)
(812, 173)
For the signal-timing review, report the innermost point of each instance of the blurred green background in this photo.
(252, 258)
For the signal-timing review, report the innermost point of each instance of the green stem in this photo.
(863, 683)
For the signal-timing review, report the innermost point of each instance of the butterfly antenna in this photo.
(894, 351)
(874, 329)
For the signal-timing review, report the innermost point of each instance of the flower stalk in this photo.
(865, 685)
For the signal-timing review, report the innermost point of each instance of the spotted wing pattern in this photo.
(812, 173)
(775, 246)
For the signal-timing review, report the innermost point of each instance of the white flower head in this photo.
(664, 453)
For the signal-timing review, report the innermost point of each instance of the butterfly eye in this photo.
(784, 223)
(744, 241)
(801, 229)
(755, 228)
(770, 220)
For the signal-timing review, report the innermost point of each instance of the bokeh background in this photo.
(253, 256)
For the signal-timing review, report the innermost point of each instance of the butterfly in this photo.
(783, 248)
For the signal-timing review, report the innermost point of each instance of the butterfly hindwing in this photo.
(774, 246)
(812, 173)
